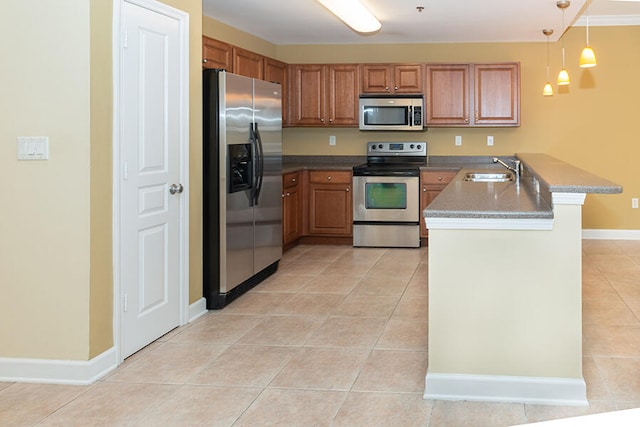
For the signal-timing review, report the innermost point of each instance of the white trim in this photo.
(568, 198)
(183, 19)
(499, 388)
(52, 371)
(197, 309)
(611, 234)
(608, 20)
(489, 223)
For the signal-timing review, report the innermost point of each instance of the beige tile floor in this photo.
(337, 337)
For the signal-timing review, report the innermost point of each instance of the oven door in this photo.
(386, 198)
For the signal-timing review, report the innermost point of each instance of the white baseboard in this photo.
(497, 388)
(611, 234)
(197, 309)
(52, 371)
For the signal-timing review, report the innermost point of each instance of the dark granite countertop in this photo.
(527, 199)
(464, 199)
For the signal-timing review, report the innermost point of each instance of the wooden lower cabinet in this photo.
(330, 203)
(431, 184)
(292, 223)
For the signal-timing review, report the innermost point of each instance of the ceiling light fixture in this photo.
(354, 14)
(563, 76)
(588, 56)
(548, 89)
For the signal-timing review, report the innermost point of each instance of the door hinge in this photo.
(125, 302)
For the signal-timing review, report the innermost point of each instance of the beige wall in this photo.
(590, 125)
(44, 249)
(56, 289)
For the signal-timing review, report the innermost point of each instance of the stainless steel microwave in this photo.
(395, 112)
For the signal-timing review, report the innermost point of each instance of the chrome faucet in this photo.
(517, 168)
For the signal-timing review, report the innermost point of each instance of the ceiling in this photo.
(284, 22)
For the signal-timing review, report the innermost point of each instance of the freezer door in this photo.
(268, 204)
(236, 238)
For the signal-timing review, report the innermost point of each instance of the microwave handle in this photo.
(410, 117)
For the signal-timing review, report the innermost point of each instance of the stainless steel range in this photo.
(386, 195)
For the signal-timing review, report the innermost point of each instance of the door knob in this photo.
(176, 188)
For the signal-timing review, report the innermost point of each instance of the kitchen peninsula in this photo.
(505, 286)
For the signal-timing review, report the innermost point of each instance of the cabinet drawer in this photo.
(330, 177)
(291, 179)
(439, 177)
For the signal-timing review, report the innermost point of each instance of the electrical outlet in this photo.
(332, 140)
(458, 140)
(634, 203)
(490, 140)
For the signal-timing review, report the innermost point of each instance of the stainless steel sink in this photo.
(488, 177)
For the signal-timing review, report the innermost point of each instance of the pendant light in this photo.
(563, 76)
(548, 89)
(588, 56)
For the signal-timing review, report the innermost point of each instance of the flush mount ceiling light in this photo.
(354, 14)
(548, 89)
(588, 56)
(563, 76)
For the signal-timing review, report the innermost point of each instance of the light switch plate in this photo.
(33, 148)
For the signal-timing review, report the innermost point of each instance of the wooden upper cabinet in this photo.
(389, 78)
(276, 72)
(343, 82)
(324, 95)
(307, 84)
(247, 63)
(216, 54)
(447, 99)
(497, 94)
(473, 94)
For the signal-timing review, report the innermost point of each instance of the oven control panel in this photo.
(397, 148)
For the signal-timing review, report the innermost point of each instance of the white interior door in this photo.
(150, 183)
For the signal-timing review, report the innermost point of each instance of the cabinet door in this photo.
(447, 98)
(291, 215)
(216, 54)
(377, 78)
(342, 97)
(497, 94)
(407, 78)
(276, 71)
(249, 64)
(330, 210)
(308, 95)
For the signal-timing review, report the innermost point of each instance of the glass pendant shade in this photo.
(587, 57)
(563, 77)
(548, 90)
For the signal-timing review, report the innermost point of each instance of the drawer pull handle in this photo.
(439, 178)
(329, 178)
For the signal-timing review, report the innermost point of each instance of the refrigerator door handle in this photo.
(260, 165)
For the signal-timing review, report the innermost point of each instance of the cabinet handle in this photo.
(395, 88)
(329, 178)
(204, 61)
(283, 195)
(288, 194)
(466, 120)
(424, 190)
(386, 88)
(347, 190)
(293, 180)
(321, 120)
(330, 120)
(439, 178)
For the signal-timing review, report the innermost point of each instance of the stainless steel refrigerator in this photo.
(242, 187)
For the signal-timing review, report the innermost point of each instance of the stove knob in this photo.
(412, 146)
(419, 147)
(373, 147)
(380, 146)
